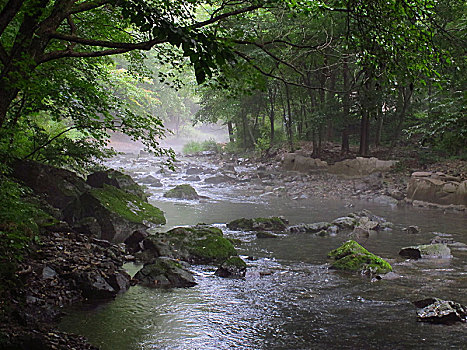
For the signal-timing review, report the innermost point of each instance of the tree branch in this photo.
(89, 5)
(70, 53)
(3, 55)
(224, 15)
(145, 45)
(9, 11)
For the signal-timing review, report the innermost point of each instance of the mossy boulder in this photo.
(182, 192)
(118, 213)
(58, 186)
(233, 267)
(351, 256)
(316, 227)
(436, 251)
(116, 179)
(200, 244)
(165, 273)
(274, 223)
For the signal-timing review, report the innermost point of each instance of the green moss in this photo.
(351, 256)
(198, 230)
(258, 224)
(362, 262)
(213, 248)
(182, 192)
(235, 261)
(127, 205)
(241, 224)
(349, 247)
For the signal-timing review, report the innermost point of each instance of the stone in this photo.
(200, 244)
(442, 240)
(116, 179)
(59, 187)
(194, 171)
(151, 181)
(218, 179)
(95, 286)
(118, 213)
(421, 174)
(310, 228)
(437, 190)
(298, 162)
(345, 222)
(164, 273)
(412, 229)
(351, 256)
(435, 310)
(182, 192)
(435, 251)
(233, 267)
(193, 178)
(134, 241)
(48, 272)
(360, 166)
(274, 223)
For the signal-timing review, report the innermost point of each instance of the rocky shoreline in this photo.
(76, 260)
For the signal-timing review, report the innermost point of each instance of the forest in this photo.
(360, 78)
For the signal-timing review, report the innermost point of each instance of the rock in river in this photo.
(440, 311)
(200, 244)
(164, 273)
(275, 224)
(233, 267)
(351, 256)
(182, 192)
(437, 251)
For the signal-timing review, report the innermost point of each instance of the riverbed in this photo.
(289, 298)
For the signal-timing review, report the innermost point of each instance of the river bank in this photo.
(33, 306)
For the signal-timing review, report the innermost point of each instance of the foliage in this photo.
(18, 227)
(194, 147)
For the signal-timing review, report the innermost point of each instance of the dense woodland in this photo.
(274, 72)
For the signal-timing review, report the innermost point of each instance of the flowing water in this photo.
(289, 298)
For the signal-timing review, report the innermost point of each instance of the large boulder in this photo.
(434, 251)
(116, 179)
(151, 181)
(274, 223)
(200, 244)
(437, 188)
(219, 179)
(182, 192)
(298, 162)
(360, 166)
(117, 213)
(165, 273)
(310, 228)
(351, 256)
(435, 310)
(94, 284)
(59, 187)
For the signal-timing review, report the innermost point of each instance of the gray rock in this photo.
(440, 311)
(193, 178)
(116, 179)
(345, 222)
(436, 251)
(184, 191)
(412, 229)
(310, 228)
(218, 179)
(165, 273)
(234, 267)
(48, 272)
(151, 181)
(194, 171)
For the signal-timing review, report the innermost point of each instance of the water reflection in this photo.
(290, 300)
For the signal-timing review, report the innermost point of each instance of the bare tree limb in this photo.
(3, 55)
(224, 15)
(8, 12)
(88, 5)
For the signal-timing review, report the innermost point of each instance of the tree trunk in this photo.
(289, 119)
(231, 132)
(345, 147)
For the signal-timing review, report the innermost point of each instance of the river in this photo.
(289, 298)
